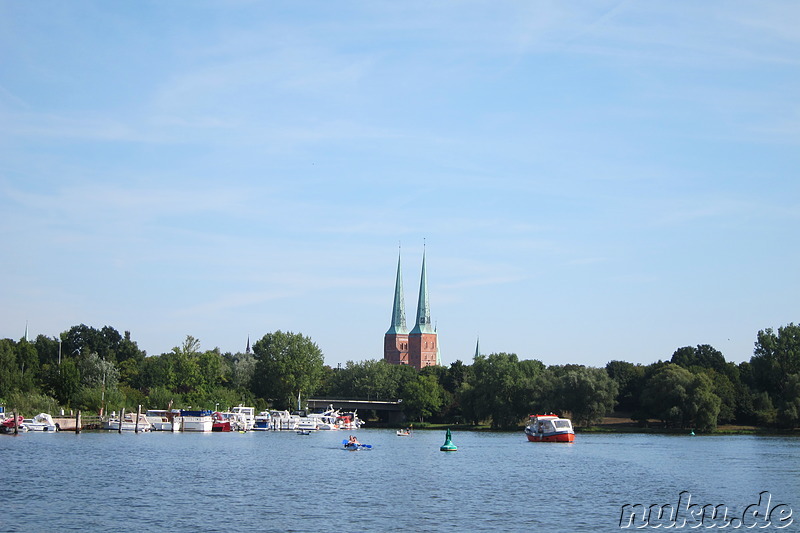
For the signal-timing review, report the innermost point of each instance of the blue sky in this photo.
(593, 180)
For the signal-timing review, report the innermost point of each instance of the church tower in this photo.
(395, 342)
(422, 340)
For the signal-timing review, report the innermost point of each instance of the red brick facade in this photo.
(422, 349)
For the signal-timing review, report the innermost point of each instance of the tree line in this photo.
(102, 370)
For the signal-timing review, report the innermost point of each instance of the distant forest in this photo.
(92, 369)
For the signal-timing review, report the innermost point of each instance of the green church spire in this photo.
(398, 326)
(423, 324)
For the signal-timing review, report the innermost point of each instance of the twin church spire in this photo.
(419, 347)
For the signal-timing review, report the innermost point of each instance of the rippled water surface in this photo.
(275, 481)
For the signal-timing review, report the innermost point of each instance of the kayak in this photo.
(354, 446)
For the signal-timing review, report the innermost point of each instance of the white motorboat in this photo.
(248, 415)
(40, 422)
(162, 420)
(197, 421)
(130, 423)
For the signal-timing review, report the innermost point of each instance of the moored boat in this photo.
(247, 415)
(164, 420)
(349, 421)
(263, 421)
(549, 428)
(196, 420)
(220, 422)
(40, 422)
(130, 423)
(7, 425)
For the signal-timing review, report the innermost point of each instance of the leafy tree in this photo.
(288, 364)
(679, 398)
(242, 366)
(764, 410)
(9, 370)
(28, 362)
(703, 355)
(422, 396)
(630, 380)
(97, 372)
(775, 358)
(498, 391)
(371, 379)
(789, 409)
(155, 371)
(47, 349)
(67, 382)
(161, 397)
(587, 393)
(212, 369)
(186, 372)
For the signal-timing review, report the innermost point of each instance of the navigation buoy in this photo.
(448, 445)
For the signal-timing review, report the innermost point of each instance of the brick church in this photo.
(419, 347)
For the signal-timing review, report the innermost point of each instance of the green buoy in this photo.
(448, 445)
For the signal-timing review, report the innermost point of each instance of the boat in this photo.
(196, 420)
(162, 420)
(305, 423)
(247, 415)
(220, 423)
(7, 424)
(130, 423)
(349, 421)
(327, 420)
(403, 432)
(283, 420)
(40, 422)
(263, 421)
(549, 428)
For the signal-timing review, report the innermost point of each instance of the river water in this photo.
(281, 481)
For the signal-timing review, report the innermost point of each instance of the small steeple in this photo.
(398, 326)
(247, 350)
(478, 347)
(423, 324)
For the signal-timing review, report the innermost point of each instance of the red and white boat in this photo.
(549, 428)
(220, 422)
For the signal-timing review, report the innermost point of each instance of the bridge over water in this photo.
(392, 410)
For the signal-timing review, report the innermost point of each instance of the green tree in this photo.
(682, 399)
(789, 408)
(67, 382)
(630, 380)
(775, 358)
(212, 369)
(9, 370)
(28, 362)
(288, 365)
(499, 390)
(242, 366)
(422, 397)
(588, 393)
